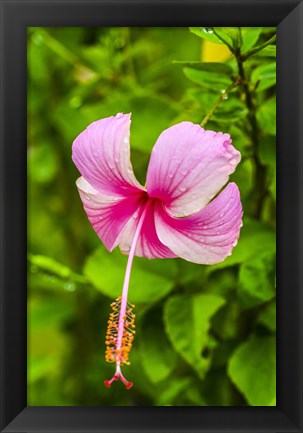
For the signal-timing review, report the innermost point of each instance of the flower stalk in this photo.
(120, 334)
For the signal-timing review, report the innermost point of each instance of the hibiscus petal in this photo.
(208, 236)
(148, 244)
(108, 214)
(188, 166)
(102, 155)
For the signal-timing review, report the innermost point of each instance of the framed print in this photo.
(151, 189)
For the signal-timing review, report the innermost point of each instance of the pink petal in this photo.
(148, 244)
(102, 155)
(208, 236)
(188, 166)
(108, 214)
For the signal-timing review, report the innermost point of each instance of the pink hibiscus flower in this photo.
(180, 213)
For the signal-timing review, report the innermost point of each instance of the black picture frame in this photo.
(16, 16)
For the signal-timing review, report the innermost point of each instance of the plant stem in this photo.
(223, 40)
(260, 170)
(221, 98)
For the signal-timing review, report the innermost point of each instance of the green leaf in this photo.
(268, 31)
(191, 396)
(204, 100)
(220, 283)
(220, 68)
(265, 76)
(266, 116)
(250, 36)
(50, 265)
(158, 357)
(205, 33)
(230, 110)
(255, 237)
(218, 35)
(136, 373)
(267, 317)
(226, 324)
(241, 141)
(187, 322)
(252, 368)
(43, 282)
(172, 390)
(257, 280)
(150, 280)
(269, 51)
(210, 80)
(231, 35)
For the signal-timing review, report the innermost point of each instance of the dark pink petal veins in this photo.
(108, 214)
(148, 244)
(102, 155)
(207, 236)
(188, 166)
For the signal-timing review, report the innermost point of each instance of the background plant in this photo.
(206, 334)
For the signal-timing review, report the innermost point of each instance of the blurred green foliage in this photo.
(205, 334)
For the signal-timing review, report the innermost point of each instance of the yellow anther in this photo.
(112, 354)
